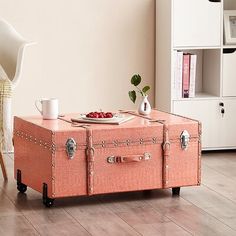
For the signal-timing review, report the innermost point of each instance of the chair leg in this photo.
(4, 171)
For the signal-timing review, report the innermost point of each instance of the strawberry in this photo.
(108, 115)
(100, 115)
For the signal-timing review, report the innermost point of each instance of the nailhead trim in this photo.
(103, 144)
(35, 140)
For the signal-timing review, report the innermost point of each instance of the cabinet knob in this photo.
(229, 50)
(214, 0)
(222, 111)
(221, 104)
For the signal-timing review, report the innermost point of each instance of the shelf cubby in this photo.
(207, 72)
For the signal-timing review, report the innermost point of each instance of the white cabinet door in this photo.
(227, 127)
(229, 72)
(208, 112)
(196, 22)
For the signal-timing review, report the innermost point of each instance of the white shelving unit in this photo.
(196, 26)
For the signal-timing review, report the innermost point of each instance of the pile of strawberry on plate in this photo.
(98, 115)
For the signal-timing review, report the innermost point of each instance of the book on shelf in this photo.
(174, 89)
(193, 66)
(178, 71)
(184, 75)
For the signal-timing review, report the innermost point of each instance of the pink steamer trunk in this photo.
(59, 160)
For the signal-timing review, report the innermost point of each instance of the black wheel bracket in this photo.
(48, 202)
(20, 186)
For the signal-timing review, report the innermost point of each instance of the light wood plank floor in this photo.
(206, 210)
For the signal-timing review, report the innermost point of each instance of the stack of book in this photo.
(184, 75)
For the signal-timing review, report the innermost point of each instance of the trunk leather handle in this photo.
(129, 158)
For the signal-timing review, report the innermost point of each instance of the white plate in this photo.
(99, 119)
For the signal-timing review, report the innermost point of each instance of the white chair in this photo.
(12, 48)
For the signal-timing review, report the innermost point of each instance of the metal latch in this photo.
(70, 147)
(147, 156)
(184, 137)
(111, 159)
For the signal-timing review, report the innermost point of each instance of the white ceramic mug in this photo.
(49, 109)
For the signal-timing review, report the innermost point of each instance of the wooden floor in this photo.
(206, 210)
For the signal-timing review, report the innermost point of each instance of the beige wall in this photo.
(86, 53)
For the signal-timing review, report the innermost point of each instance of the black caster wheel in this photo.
(48, 202)
(176, 191)
(21, 187)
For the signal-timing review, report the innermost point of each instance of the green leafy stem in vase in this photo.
(136, 80)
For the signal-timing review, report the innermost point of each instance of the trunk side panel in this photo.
(70, 174)
(120, 177)
(183, 165)
(34, 161)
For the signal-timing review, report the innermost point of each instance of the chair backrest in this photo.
(12, 46)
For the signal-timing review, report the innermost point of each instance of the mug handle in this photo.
(36, 105)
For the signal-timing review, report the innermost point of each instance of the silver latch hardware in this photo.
(111, 159)
(70, 148)
(184, 138)
(147, 156)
